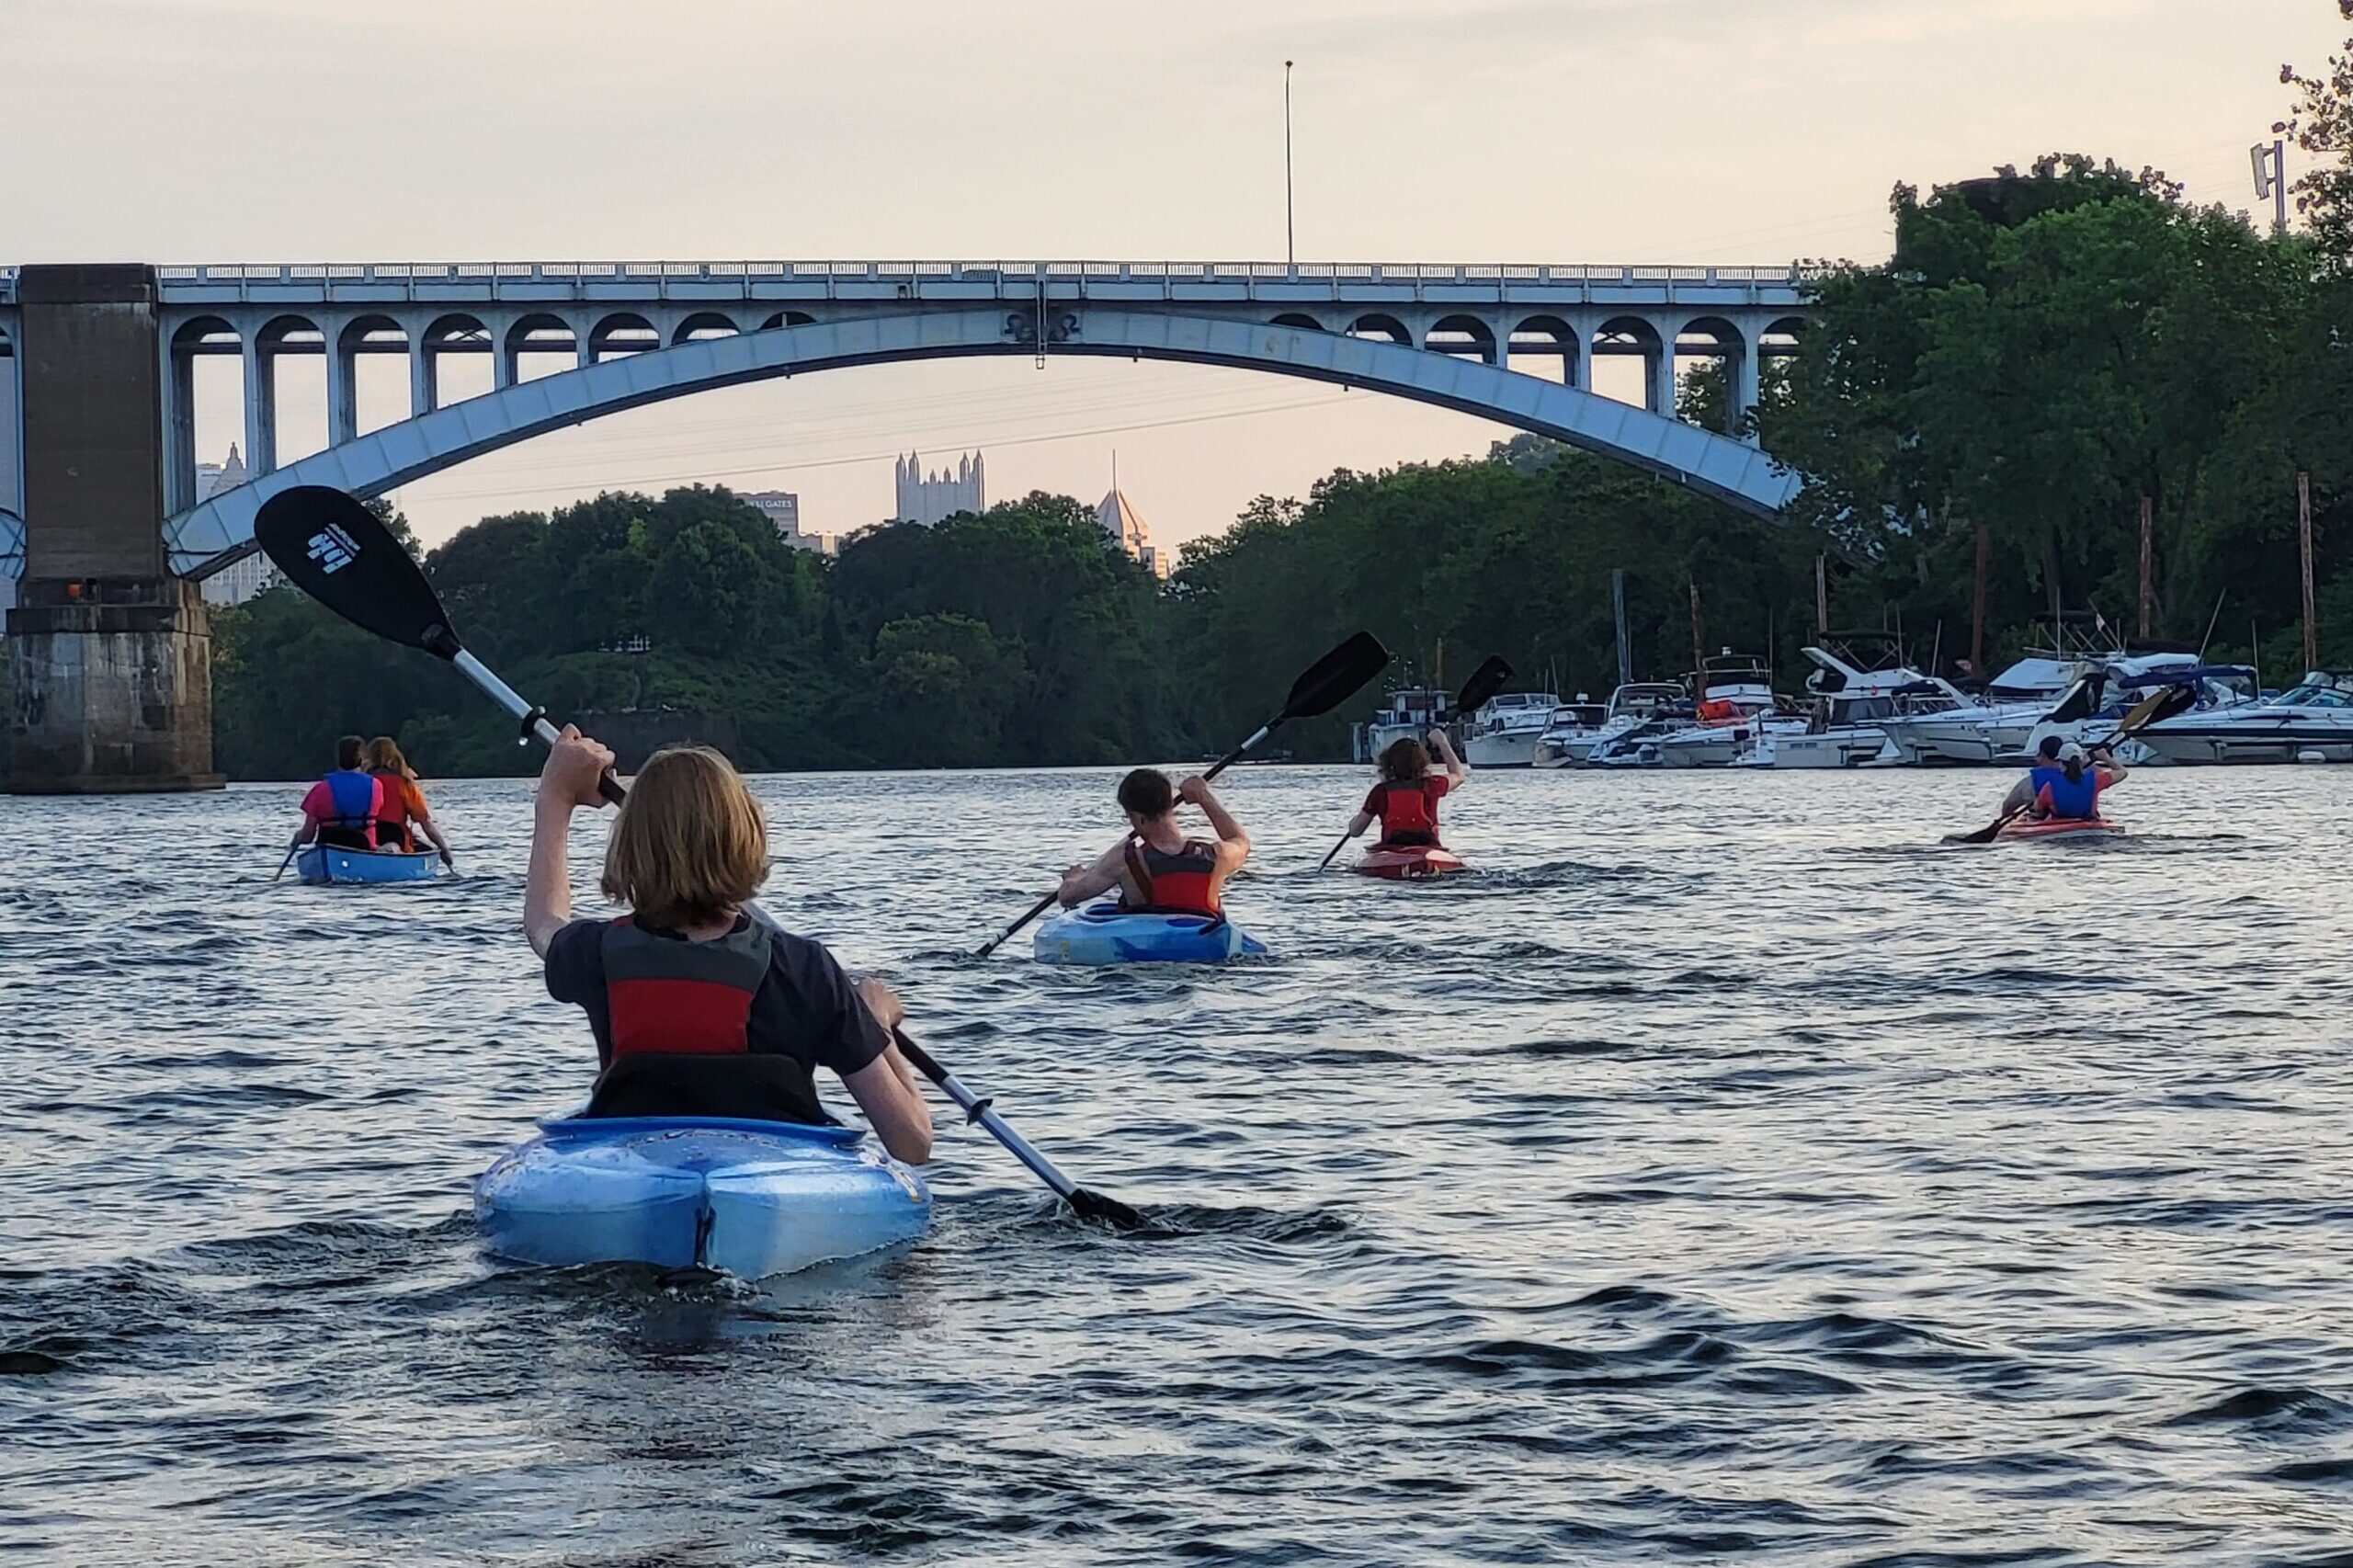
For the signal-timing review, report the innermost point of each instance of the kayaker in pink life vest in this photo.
(698, 1009)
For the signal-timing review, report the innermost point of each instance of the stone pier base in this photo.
(109, 687)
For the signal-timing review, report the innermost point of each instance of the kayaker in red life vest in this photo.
(1160, 869)
(697, 1009)
(340, 811)
(1406, 800)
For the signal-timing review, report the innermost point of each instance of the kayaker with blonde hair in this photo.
(401, 803)
(697, 1008)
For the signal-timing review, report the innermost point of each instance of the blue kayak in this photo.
(1104, 933)
(319, 864)
(751, 1197)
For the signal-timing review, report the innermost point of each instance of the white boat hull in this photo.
(1507, 749)
(1837, 748)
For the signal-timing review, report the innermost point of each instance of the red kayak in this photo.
(2059, 828)
(1408, 864)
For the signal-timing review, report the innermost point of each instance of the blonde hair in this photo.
(689, 846)
(384, 757)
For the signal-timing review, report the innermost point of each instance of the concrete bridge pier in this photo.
(109, 654)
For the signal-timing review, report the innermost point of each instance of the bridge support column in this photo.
(1658, 390)
(1579, 372)
(261, 409)
(1747, 388)
(421, 377)
(343, 402)
(110, 655)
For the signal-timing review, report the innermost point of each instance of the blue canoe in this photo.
(1103, 933)
(318, 864)
(751, 1197)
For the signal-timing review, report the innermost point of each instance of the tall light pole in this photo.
(2271, 180)
(1291, 242)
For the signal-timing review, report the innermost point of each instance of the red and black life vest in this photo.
(1408, 812)
(679, 1014)
(1182, 882)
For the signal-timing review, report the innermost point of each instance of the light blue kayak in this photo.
(1103, 933)
(751, 1197)
(318, 864)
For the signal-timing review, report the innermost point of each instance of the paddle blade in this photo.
(337, 551)
(1334, 677)
(2163, 703)
(1092, 1205)
(1484, 682)
(1989, 833)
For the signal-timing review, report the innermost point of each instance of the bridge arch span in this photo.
(206, 537)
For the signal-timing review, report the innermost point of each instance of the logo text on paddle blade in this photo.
(332, 549)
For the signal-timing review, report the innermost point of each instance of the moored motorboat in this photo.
(1505, 732)
(751, 1198)
(1106, 934)
(2312, 721)
(320, 864)
(1407, 863)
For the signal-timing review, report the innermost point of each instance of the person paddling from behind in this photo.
(402, 802)
(2066, 781)
(1159, 869)
(697, 1009)
(341, 810)
(1406, 800)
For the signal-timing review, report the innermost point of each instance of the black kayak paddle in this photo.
(337, 552)
(2163, 703)
(1484, 682)
(1330, 681)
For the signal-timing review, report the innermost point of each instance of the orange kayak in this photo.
(1405, 865)
(2060, 827)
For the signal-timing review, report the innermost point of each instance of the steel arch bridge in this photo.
(642, 333)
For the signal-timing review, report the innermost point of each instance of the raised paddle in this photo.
(2163, 703)
(335, 550)
(1484, 682)
(1330, 681)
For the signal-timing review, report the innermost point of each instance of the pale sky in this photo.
(1700, 131)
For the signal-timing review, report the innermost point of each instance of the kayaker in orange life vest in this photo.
(1406, 800)
(1160, 869)
(698, 1009)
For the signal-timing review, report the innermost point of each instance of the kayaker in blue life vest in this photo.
(698, 1009)
(340, 811)
(1159, 869)
(2066, 781)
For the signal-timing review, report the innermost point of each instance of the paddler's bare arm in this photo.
(886, 1088)
(574, 765)
(1458, 770)
(1082, 882)
(1234, 843)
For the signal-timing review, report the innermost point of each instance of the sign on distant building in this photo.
(782, 509)
(930, 498)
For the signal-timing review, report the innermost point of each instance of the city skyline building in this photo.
(1128, 529)
(931, 498)
(240, 580)
(782, 509)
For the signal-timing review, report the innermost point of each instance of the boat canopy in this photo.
(2183, 674)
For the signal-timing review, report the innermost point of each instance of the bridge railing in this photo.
(590, 272)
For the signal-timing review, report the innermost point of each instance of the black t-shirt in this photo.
(805, 1007)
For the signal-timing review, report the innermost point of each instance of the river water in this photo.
(1725, 1169)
